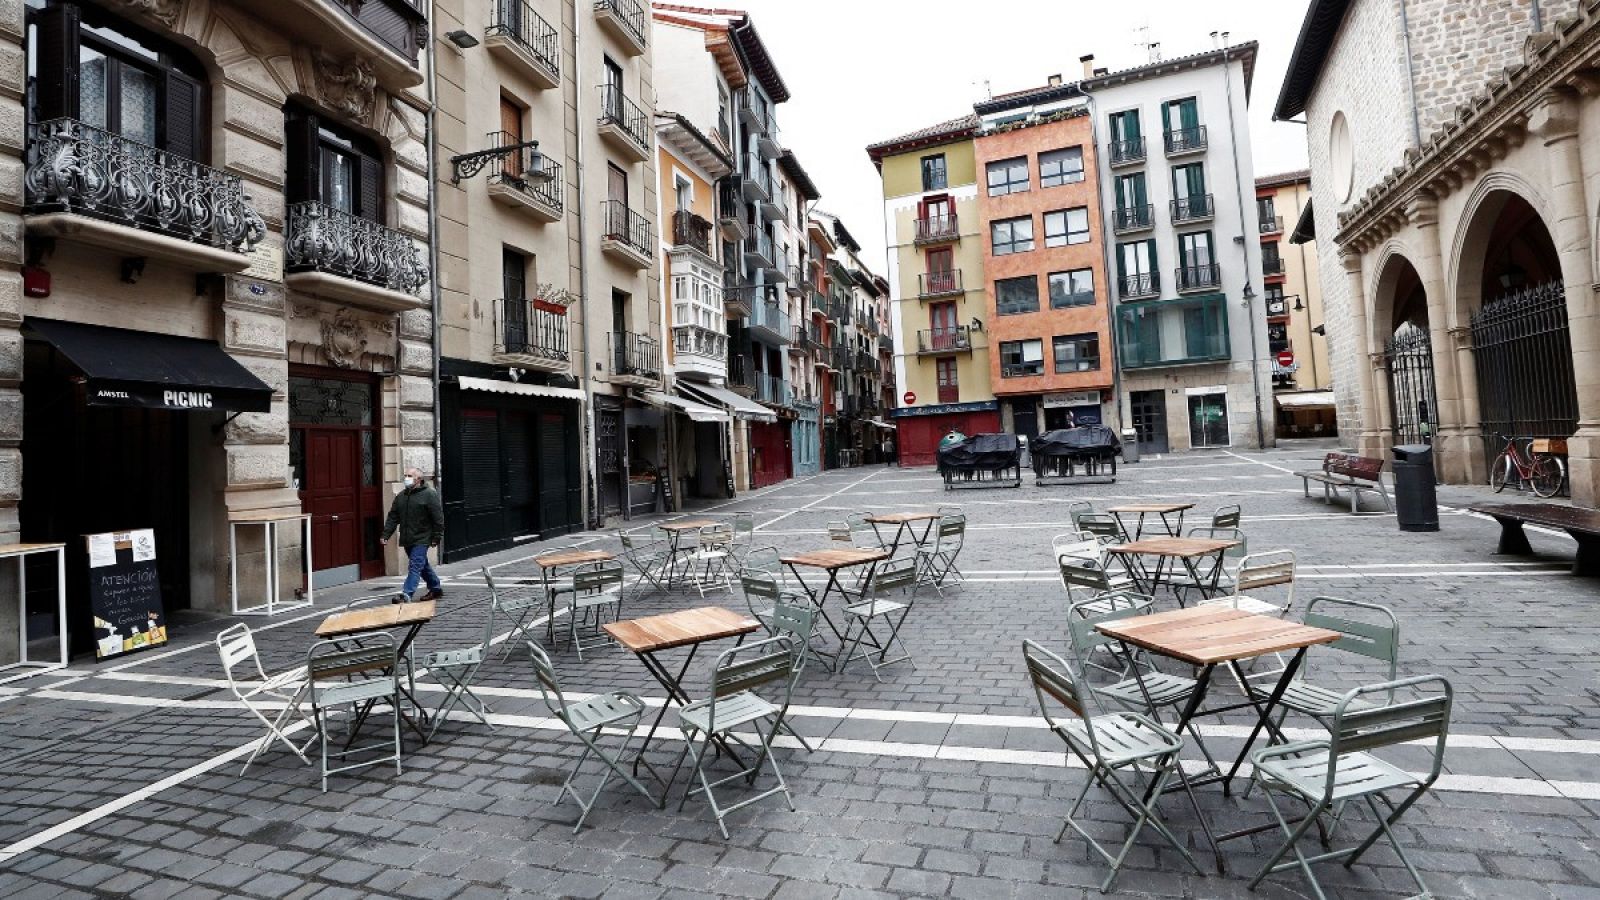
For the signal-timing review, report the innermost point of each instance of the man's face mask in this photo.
(410, 481)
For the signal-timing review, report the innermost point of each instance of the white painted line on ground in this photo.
(813, 503)
(1258, 462)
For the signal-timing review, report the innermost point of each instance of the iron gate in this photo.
(1523, 357)
(1409, 355)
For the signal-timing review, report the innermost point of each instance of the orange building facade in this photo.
(1050, 359)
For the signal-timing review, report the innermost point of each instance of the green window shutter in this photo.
(1188, 114)
(1122, 261)
(1150, 249)
(1196, 175)
(1140, 196)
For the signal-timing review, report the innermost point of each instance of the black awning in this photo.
(1305, 228)
(154, 371)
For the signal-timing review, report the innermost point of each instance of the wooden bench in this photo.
(1358, 474)
(1582, 524)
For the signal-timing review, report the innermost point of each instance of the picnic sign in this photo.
(125, 592)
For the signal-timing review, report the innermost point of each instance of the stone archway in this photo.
(1401, 327)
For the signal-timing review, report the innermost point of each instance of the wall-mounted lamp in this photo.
(461, 38)
(1298, 306)
(1320, 331)
(977, 324)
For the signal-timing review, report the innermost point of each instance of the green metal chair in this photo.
(937, 563)
(888, 577)
(1367, 629)
(1227, 516)
(712, 563)
(744, 537)
(358, 678)
(519, 603)
(649, 560)
(1077, 509)
(1230, 561)
(1111, 746)
(589, 720)
(455, 669)
(593, 592)
(1103, 526)
(798, 621)
(734, 704)
(1326, 774)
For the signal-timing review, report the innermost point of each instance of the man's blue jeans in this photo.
(418, 569)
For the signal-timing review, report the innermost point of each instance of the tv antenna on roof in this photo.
(1153, 48)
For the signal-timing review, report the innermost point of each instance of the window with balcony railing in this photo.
(531, 327)
(948, 339)
(1196, 206)
(625, 226)
(938, 228)
(616, 109)
(1271, 262)
(630, 15)
(938, 284)
(1132, 217)
(1201, 277)
(635, 355)
(1172, 332)
(528, 171)
(691, 230)
(517, 20)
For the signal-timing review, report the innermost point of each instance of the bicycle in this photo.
(1543, 473)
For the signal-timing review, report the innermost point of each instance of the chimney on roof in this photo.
(1088, 65)
(1099, 72)
(1053, 80)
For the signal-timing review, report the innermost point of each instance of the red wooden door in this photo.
(332, 495)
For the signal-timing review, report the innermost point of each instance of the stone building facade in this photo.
(251, 181)
(1454, 203)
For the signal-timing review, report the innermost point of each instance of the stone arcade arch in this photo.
(1400, 326)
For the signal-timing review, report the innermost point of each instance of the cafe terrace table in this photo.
(675, 530)
(651, 635)
(27, 667)
(1206, 637)
(1169, 553)
(352, 623)
(1173, 529)
(549, 564)
(833, 562)
(905, 526)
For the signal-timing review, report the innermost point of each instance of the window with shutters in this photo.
(109, 74)
(333, 165)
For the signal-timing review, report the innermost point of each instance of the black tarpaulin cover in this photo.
(1096, 439)
(982, 451)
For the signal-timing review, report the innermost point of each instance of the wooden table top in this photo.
(687, 525)
(572, 558)
(1181, 547)
(377, 618)
(1206, 635)
(1150, 508)
(679, 629)
(835, 559)
(256, 517)
(24, 549)
(902, 518)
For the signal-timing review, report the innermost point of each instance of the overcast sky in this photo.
(861, 71)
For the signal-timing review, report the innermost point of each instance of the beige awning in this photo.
(698, 412)
(1306, 400)
(495, 386)
(739, 406)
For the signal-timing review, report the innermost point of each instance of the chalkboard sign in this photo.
(125, 592)
(664, 485)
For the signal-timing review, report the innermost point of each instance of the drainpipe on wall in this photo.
(1411, 75)
(591, 492)
(1244, 243)
(1107, 254)
(435, 291)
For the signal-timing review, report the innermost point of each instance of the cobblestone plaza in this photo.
(123, 779)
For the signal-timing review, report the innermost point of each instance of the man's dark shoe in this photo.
(433, 595)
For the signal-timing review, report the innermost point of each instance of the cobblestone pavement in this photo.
(123, 779)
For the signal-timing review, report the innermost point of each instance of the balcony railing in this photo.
(1131, 287)
(741, 372)
(730, 206)
(885, 343)
(1192, 208)
(531, 328)
(690, 230)
(627, 15)
(73, 167)
(320, 238)
(866, 362)
(937, 229)
(1199, 278)
(771, 319)
(616, 109)
(771, 389)
(939, 284)
(1132, 218)
(758, 250)
(1272, 265)
(517, 21)
(1124, 152)
(1279, 306)
(627, 227)
(635, 355)
(949, 393)
(1271, 224)
(528, 171)
(754, 178)
(1173, 332)
(692, 340)
(1185, 140)
(955, 339)
(751, 111)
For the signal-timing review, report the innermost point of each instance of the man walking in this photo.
(419, 517)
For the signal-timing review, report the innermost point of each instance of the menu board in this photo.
(125, 592)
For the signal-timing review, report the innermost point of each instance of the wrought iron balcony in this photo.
(938, 229)
(885, 343)
(730, 206)
(1172, 332)
(1279, 306)
(754, 179)
(752, 112)
(1192, 208)
(939, 284)
(742, 373)
(773, 207)
(796, 280)
(320, 238)
(1126, 152)
(769, 322)
(1133, 287)
(866, 362)
(522, 38)
(771, 389)
(1132, 218)
(699, 344)
(623, 122)
(758, 250)
(527, 179)
(1271, 224)
(1185, 140)
(1199, 278)
(531, 333)
(75, 168)
(635, 356)
(692, 231)
(738, 295)
(627, 21)
(627, 234)
(1272, 265)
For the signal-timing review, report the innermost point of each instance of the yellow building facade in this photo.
(1302, 384)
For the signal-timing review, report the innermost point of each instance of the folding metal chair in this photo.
(891, 576)
(588, 720)
(1076, 510)
(764, 587)
(1227, 516)
(1103, 526)
(649, 560)
(518, 604)
(862, 534)
(1080, 552)
(1256, 573)
(1328, 773)
(938, 562)
(798, 621)
(744, 537)
(593, 591)
(711, 564)
(1109, 745)
(332, 668)
(1206, 568)
(839, 533)
(236, 645)
(455, 669)
(949, 511)
(1367, 629)
(735, 704)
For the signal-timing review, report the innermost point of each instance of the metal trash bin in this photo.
(1130, 445)
(1416, 501)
